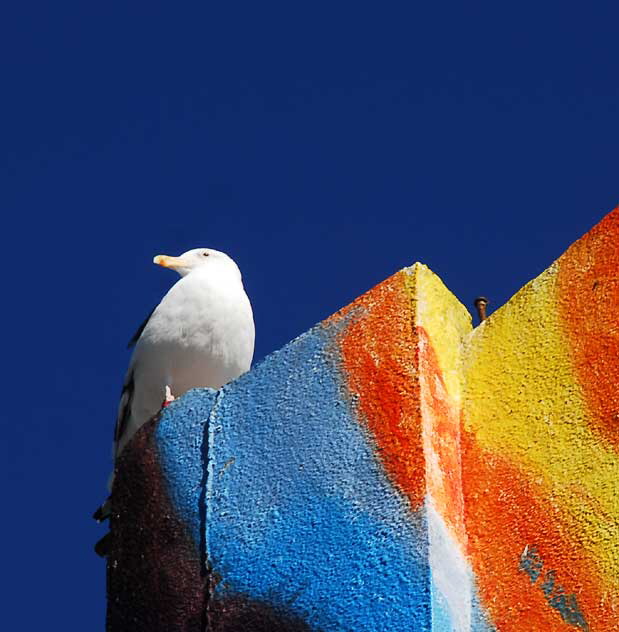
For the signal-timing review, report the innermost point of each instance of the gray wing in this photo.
(126, 395)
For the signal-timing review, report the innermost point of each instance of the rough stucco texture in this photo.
(540, 445)
(392, 469)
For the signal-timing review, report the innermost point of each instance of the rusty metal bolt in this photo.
(481, 302)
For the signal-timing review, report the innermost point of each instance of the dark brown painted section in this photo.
(153, 573)
(239, 614)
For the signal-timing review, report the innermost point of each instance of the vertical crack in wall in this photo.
(205, 509)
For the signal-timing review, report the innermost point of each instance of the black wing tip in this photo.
(103, 512)
(104, 545)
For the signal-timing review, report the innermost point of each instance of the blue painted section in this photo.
(301, 512)
(479, 619)
(441, 617)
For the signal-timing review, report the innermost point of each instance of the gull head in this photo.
(203, 260)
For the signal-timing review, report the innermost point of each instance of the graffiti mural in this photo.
(392, 469)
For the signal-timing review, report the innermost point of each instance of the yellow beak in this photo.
(170, 262)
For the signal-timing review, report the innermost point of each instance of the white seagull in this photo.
(201, 334)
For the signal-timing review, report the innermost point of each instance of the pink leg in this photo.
(168, 397)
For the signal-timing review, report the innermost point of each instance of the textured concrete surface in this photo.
(155, 573)
(392, 469)
(540, 449)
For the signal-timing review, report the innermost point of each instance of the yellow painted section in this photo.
(446, 321)
(522, 402)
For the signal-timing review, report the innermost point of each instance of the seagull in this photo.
(201, 334)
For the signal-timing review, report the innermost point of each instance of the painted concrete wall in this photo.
(392, 469)
(540, 447)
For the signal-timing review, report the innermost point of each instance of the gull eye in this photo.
(205, 254)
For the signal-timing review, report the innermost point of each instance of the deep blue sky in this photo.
(323, 145)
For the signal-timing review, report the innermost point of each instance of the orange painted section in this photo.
(378, 354)
(588, 302)
(505, 507)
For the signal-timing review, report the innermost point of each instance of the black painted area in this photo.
(239, 614)
(153, 573)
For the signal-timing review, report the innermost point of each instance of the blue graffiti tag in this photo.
(532, 564)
